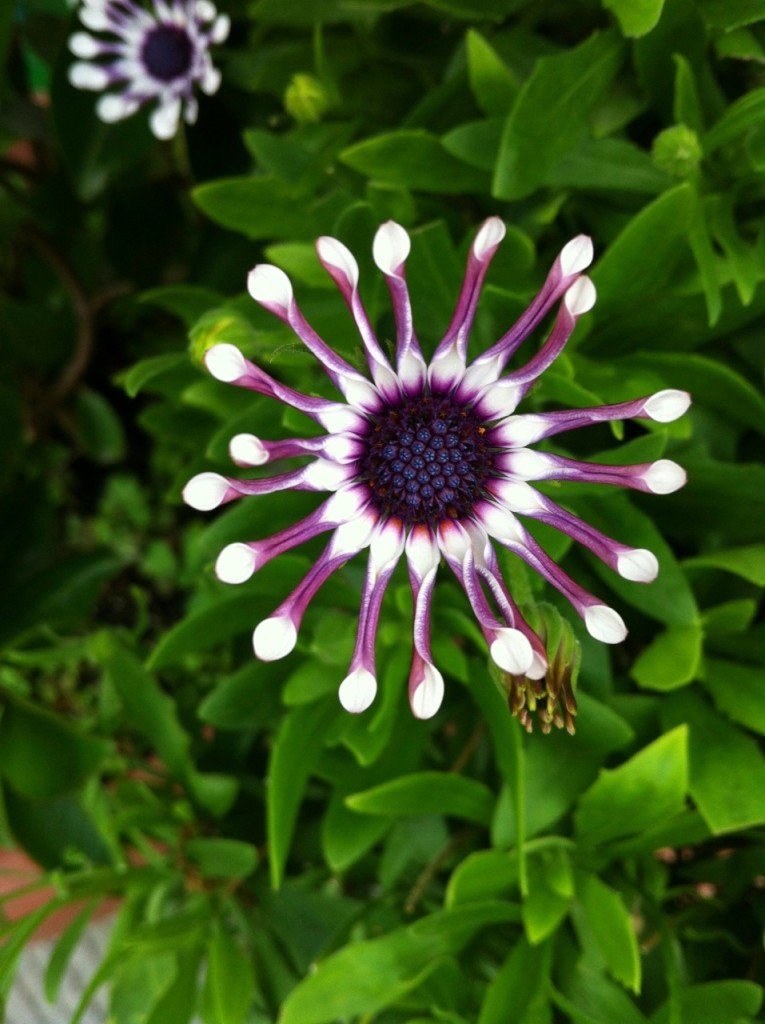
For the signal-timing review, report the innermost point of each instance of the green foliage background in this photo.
(278, 859)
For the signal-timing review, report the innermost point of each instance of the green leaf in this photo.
(229, 615)
(491, 80)
(560, 92)
(635, 17)
(518, 990)
(99, 428)
(186, 301)
(63, 950)
(413, 159)
(249, 699)
(660, 228)
(143, 373)
(613, 164)
(229, 983)
(646, 789)
(257, 207)
(138, 985)
(155, 715)
(295, 753)
(671, 660)
(43, 756)
(610, 924)
(737, 691)
(222, 858)
(550, 890)
(427, 793)
(669, 599)
(730, 14)
(727, 769)
(741, 116)
(367, 976)
(716, 1002)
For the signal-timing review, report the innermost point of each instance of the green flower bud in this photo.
(677, 151)
(307, 98)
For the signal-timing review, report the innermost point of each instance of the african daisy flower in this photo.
(151, 56)
(430, 461)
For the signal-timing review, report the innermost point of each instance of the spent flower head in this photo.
(148, 56)
(429, 461)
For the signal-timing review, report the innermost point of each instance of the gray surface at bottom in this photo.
(27, 1003)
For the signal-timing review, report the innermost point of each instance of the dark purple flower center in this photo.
(427, 460)
(167, 52)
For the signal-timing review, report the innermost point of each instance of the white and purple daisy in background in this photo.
(430, 461)
(148, 56)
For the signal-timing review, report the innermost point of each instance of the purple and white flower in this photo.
(430, 461)
(148, 56)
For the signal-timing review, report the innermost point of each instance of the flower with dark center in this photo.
(430, 460)
(151, 56)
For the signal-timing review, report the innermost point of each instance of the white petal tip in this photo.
(205, 491)
(604, 624)
(639, 565)
(112, 108)
(519, 497)
(357, 691)
(334, 254)
(274, 638)
(666, 406)
(235, 563)
(225, 362)
(164, 119)
(270, 286)
(581, 296)
(664, 477)
(538, 667)
(88, 76)
(391, 247)
(576, 255)
(247, 450)
(488, 238)
(221, 28)
(84, 46)
(427, 697)
(512, 652)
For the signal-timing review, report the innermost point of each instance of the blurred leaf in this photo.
(716, 1002)
(561, 91)
(649, 787)
(519, 989)
(550, 889)
(415, 160)
(636, 17)
(729, 14)
(155, 715)
(229, 983)
(427, 793)
(610, 923)
(737, 691)
(294, 756)
(64, 949)
(222, 858)
(256, 207)
(671, 660)
(229, 615)
(58, 595)
(493, 84)
(99, 429)
(147, 370)
(741, 116)
(669, 598)
(661, 228)
(727, 769)
(370, 975)
(42, 755)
